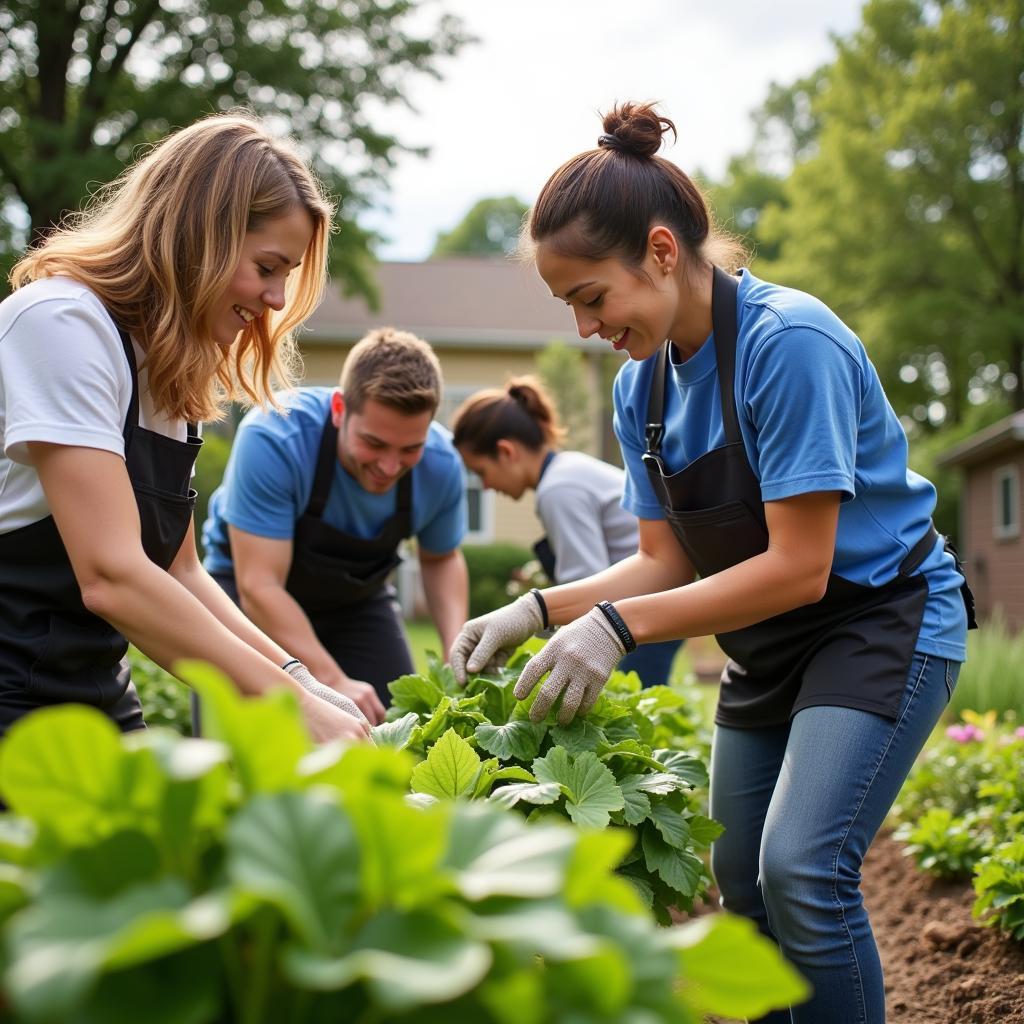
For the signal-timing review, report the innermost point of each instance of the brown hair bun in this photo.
(635, 128)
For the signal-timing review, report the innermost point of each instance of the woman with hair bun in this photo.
(180, 286)
(511, 437)
(769, 474)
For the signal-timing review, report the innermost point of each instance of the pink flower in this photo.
(966, 733)
(1019, 732)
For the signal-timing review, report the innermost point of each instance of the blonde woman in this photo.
(179, 286)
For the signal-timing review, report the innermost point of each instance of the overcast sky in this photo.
(513, 106)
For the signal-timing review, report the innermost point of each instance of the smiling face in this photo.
(269, 253)
(634, 310)
(378, 445)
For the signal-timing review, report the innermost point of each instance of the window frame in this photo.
(1006, 528)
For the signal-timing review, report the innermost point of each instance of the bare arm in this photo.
(261, 569)
(94, 508)
(446, 587)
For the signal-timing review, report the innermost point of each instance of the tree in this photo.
(83, 84)
(564, 373)
(741, 199)
(906, 204)
(491, 228)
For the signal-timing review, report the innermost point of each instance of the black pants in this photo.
(367, 640)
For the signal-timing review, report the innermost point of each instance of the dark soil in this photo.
(941, 966)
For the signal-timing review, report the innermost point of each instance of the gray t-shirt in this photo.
(578, 503)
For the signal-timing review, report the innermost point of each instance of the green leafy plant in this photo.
(637, 760)
(165, 700)
(999, 883)
(249, 877)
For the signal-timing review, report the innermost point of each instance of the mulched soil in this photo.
(941, 966)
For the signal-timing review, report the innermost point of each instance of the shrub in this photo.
(637, 759)
(990, 679)
(490, 569)
(165, 700)
(252, 878)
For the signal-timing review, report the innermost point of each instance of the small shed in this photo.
(992, 464)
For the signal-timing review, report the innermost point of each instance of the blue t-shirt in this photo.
(813, 417)
(269, 479)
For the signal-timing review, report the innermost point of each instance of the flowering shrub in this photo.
(962, 808)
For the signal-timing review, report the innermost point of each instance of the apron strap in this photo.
(131, 419)
(403, 504)
(723, 321)
(919, 552)
(324, 476)
(654, 428)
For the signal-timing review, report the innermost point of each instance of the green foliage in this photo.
(565, 375)
(741, 199)
(999, 883)
(490, 228)
(637, 760)
(490, 568)
(905, 208)
(990, 679)
(962, 810)
(213, 458)
(252, 877)
(165, 700)
(83, 85)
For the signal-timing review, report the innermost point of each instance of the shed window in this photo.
(1006, 502)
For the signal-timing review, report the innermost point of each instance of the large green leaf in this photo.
(396, 733)
(356, 768)
(414, 693)
(704, 831)
(299, 852)
(578, 736)
(405, 960)
(590, 790)
(266, 735)
(636, 803)
(591, 879)
(527, 792)
(494, 853)
(679, 869)
(516, 740)
(450, 769)
(63, 767)
(532, 928)
(709, 950)
(59, 947)
(674, 828)
(515, 998)
(691, 770)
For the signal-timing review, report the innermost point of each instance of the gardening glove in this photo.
(486, 642)
(580, 658)
(305, 679)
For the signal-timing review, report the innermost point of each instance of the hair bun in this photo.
(635, 128)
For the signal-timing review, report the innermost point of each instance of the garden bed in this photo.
(941, 967)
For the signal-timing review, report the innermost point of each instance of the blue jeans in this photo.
(801, 803)
(652, 662)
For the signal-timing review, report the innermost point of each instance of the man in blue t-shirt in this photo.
(305, 528)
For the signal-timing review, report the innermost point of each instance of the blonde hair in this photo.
(521, 411)
(394, 368)
(160, 244)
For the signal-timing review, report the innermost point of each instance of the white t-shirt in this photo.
(64, 379)
(578, 501)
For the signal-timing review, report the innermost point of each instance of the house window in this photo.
(1006, 502)
(479, 503)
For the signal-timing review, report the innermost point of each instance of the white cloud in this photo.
(516, 104)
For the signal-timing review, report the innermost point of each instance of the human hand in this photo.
(487, 641)
(330, 715)
(580, 658)
(364, 696)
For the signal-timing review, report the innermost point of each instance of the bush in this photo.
(213, 458)
(490, 569)
(990, 679)
(251, 878)
(165, 700)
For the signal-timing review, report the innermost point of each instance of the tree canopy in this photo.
(490, 228)
(83, 84)
(905, 206)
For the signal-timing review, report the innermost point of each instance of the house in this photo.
(487, 319)
(992, 463)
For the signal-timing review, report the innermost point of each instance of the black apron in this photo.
(333, 570)
(53, 650)
(852, 648)
(542, 549)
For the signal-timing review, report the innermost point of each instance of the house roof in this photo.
(452, 303)
(1003, 436)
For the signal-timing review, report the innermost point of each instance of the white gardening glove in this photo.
(580, 658)
(486, 642)
(305, 679)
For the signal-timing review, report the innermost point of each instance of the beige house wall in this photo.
(467, 370)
